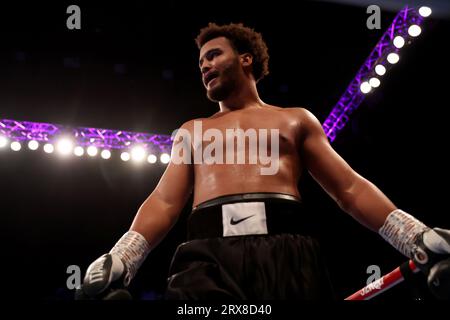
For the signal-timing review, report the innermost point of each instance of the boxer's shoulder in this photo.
(302, 116)
(300, 112)
(189, 124)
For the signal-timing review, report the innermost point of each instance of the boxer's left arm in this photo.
(353, 193)
(366, 203)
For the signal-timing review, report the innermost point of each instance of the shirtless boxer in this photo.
(244, 239)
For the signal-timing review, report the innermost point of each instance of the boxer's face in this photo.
(220, 67)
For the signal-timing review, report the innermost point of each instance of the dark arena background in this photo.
(133, 67)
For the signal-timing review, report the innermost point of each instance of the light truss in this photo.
(353, 95)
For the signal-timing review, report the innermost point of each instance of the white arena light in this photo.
(65, 146)
(164, 158)
(105, 154)
(365, 87)
(152, 158)
(380, 69)
(138, 153)
(399, 42)
(16, 146)
(48, 148)
(414, 30)
(393, 58)
(33, 145)
(425, 11)
(78, 151)
(3, 141)
(92, 151)
(374, 82)
(125, 156)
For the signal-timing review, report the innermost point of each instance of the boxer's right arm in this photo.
(155, 217)
(161, 209)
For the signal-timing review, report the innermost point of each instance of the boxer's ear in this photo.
(246, 59)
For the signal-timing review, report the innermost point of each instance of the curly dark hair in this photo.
(243, 40)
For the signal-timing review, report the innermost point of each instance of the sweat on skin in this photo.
(259, 148)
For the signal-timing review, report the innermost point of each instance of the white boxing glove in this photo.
(114, 270)
(428, 248)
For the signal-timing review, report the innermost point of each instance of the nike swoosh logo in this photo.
(233, 222)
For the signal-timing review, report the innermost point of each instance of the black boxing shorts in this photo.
(248, 246)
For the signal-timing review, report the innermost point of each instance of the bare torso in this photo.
(214, 180)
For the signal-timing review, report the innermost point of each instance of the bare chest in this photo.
(246, 131)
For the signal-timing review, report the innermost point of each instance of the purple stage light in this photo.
(353, 96)
(100, 138)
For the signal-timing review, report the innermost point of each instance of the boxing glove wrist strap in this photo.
(401, 230)
(132, 249)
